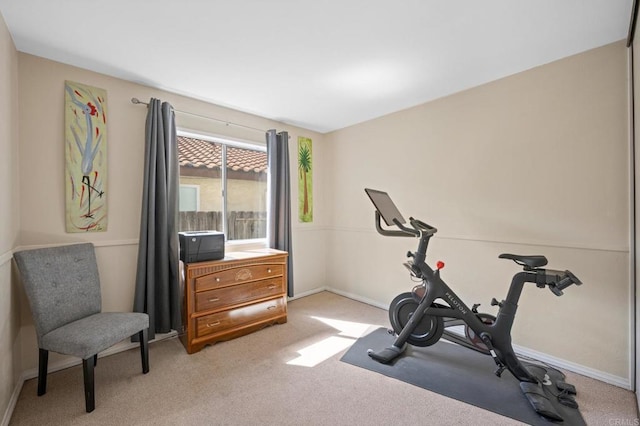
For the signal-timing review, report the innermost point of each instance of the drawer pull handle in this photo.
(271, 307)
(214, 299)
(272, 286)
(218, 279)
(213, 324)
(269, 270)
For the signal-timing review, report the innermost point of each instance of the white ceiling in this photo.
(321, 65)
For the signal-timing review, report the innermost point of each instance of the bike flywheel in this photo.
(427, 332)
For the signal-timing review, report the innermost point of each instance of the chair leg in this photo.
(144, 349)
(43, 361)
(89, 394)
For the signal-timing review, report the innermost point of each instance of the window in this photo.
(189, 198)
(231, 199)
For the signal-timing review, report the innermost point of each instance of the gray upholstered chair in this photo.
(63, 288)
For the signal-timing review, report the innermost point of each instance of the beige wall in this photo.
(533, 163)
(10, 353)
(42, 178)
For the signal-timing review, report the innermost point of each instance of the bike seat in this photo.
(535, 261)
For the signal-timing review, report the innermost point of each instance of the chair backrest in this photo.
(62, 284)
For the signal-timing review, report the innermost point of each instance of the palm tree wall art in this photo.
(305, 180)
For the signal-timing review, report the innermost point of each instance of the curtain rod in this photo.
(226, 123)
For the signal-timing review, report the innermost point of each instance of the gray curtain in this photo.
(157, 291)
(279, 222)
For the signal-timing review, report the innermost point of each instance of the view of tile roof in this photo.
(197, 153)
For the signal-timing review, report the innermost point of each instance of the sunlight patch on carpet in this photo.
(347, 334)
(348, 328)
(314, 354)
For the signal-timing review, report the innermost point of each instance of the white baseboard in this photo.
(308, 293)
(33, 373)
(13, 401)
(359, 298)
(125, 345)
(623, 382)
(341, 293)
(573, 367)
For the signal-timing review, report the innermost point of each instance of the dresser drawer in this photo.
(238, 294)
(226, 320)
(238, 275)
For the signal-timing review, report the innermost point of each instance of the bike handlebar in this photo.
(418, 228)
(562, 280)
(425, 227)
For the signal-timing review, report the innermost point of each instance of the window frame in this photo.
(236, 143)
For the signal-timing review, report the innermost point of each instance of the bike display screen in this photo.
(385, 206)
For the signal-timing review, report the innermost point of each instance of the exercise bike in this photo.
(421, 317)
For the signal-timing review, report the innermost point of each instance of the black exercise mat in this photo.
(462, 374)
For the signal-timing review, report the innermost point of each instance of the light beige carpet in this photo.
(287, 374)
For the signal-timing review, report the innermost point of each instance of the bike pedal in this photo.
(568, 400)
(539, 401)
(566, 387)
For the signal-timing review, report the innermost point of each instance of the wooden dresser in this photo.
(237, 295)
